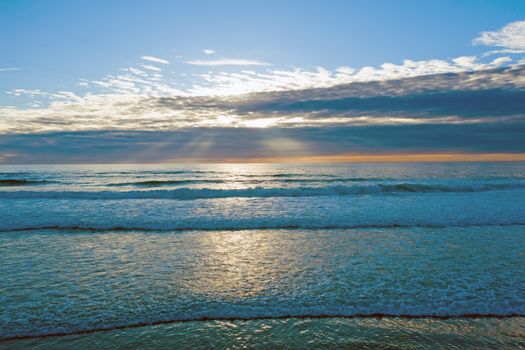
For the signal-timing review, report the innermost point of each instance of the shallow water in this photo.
(82, 252)
(330, 333)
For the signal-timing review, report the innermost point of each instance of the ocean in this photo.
(262, 256)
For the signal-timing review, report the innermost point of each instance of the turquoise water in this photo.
(233, 256)
(333, 333)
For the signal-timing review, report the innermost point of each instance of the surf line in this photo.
(75, 228)
(255, 318)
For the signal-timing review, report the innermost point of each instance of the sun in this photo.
(261, 123)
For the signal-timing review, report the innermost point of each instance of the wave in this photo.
(124, 326)
(22, 182)
(157, 183)
(15, 173)
(285, 175)
(185, 193)
(242, 227)
(314, 179)
(157, 172)
(171, 182)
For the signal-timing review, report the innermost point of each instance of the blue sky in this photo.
(61, 61)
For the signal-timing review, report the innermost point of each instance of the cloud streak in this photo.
(228, 62)
(150, 67)
(155, 59)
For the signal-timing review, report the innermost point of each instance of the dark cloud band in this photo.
(216, 144)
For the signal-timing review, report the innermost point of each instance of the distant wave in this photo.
(310, 179)
(15, 173)
(185, 193)
(21, 182)
(263, 179)
(106, 328)
(332, 179)
(157, 183)
(158, 172)
(277, 175)
(242, 227)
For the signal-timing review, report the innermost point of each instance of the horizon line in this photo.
(320, 159)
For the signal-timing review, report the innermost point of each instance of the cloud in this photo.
(500, 60)
(135, 81)
(215, 144)
(209, 51)
(446, 106)
(228, 62)
(230, 83)
(154, 59)
(150, 67)
(511, 37)
(8, 69)
(136, 102)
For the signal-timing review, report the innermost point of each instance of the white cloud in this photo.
(465, 61)
(500, 60)
(132, 102)
(154, 59)
(135, 71)
(228, 62)
(226, 83)
(60, 95)
(510, 37)
(8, 69)
(507, 51)
(150, 67)
(209, 51)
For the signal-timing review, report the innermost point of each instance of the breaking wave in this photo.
(157, 183)
(22, 182)
(251, 317)
(255, 226)
(185, 193)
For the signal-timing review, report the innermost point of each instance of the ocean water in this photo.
(263, 256)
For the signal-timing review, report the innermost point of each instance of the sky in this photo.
(261, 81)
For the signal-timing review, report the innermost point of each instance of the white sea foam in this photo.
(76, 282)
